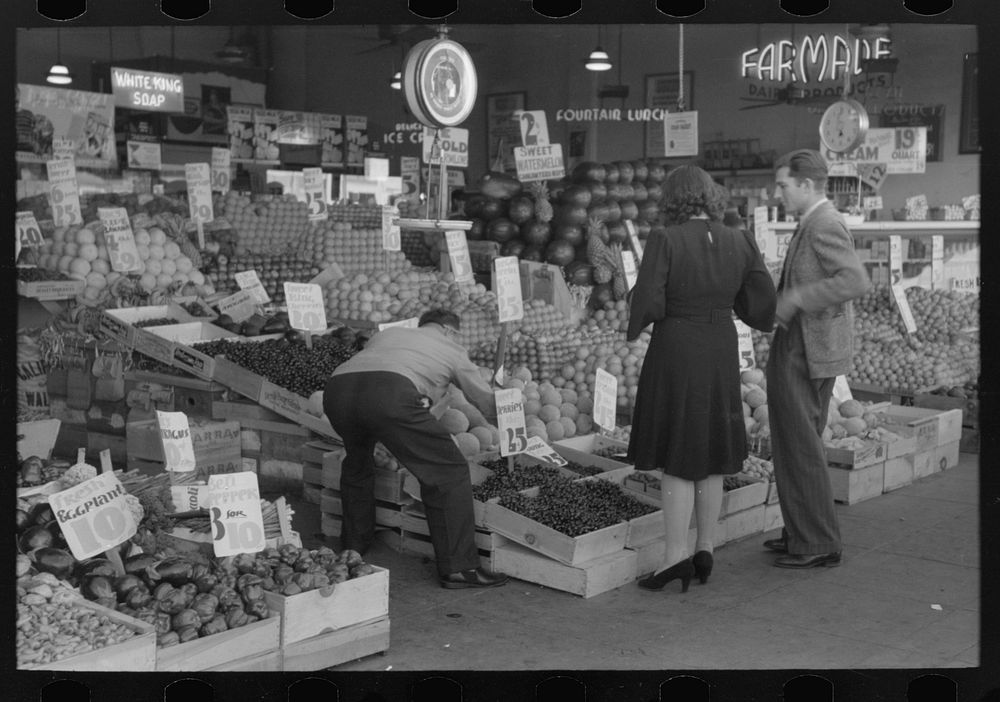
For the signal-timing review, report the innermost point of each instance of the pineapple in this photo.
(543, 208)
(602, 274)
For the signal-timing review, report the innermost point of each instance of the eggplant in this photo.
(95, 566)
(175, 570)
(41, 514)
(126, 583)
(35, 537)
(97, 587)
(22, 519)
(137, 564)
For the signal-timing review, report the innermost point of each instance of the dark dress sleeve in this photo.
(756, 299)
(647, 299)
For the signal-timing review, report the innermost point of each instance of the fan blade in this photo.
(762, 104)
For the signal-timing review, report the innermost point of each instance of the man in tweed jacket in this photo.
(813, 344)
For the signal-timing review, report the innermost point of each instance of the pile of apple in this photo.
(264, 222)
(753, 390)
(355, 249)
(612, 315)
(273, 270)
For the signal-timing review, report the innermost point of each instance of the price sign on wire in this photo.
(175, 434)
(458, 254)
(315, 194)
(633, 237)
(628, 265)
(221, 169)
(510, 421)
(234, 513)
(64, 192)
(508, 287)
(410, 323)
(744, 339)
(306, 306)
(239, 306)
(119, 239)
(199, 189)
(542, 451)
(28, 234)
(937, 261)
(605, 399)
(94, 516)
(391, 238)
(248, 280)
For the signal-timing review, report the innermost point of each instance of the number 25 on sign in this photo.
(510, 421)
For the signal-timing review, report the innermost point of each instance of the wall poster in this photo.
(501, 124)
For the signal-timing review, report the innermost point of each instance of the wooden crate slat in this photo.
(852, 486)
(338, 647)
(220, 649)
(586, 579)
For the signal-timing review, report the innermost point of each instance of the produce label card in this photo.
(199, 190)
(896, 259)
(63, 148)
(899, 294)
(391, 237)
(605, 399)
(510, 421)
(332, 138)
(315, 192)
(240, 127)
(628, 265)
(937, 261)
(542, 451)
(539, 162)
(458, 254)
(534, 127)
(306, 306)
(189, 497)
(841, 390)
(872, 202)
(64, 192)
(175, 433)
(234, 513)
(248, 280)
(508, 287)
(451, 147)
(221, 173)
(633, 237)
(144, 154)
(744, 340)
(93, 515)
(410, 323)
(239, 306)
(357, 139)
(119, 239)
(28, 234)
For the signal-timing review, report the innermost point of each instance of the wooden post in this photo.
(112, 554)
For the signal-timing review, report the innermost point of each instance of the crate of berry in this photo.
(122, 322)
(44, 284)
(594, 449)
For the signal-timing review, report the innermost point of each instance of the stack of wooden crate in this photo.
(216, 447)
(970, 416)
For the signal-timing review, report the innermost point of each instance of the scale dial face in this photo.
(843, 126)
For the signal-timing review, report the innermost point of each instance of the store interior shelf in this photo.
(957, 227)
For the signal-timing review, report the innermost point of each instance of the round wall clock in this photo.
(843, 126)
(439, 82)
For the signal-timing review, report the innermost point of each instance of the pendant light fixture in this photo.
(598, 59)
(59, 74)
(397, 81)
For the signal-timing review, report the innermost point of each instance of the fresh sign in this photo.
(64, 193)
(248, 280)
(315, 191)
(605, 399)
(175, 433)
(508, 287)
(458, 253)
(147, 90)
(119, 239)
(306, 307)
(234, 513)
(510, 421)
(94, 516)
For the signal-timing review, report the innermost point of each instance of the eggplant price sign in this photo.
(94, 515)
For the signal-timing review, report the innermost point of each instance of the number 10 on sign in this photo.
(234, 514)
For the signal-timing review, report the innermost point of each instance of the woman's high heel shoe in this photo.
(702, 563)
(683, 570)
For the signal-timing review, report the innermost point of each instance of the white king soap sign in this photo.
(451, 147)
(510, 421)
(199, 189)
(147, 90)
(510, 304)
(234, 514)
(94, 516)
(175, 433)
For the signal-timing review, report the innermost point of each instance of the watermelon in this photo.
(560, 253)
(499, 185)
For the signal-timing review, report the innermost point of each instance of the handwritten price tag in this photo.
(605, 399)
(896, 259)
(510, 421)
(199, 189)
(744, 339)
(542, 451)
(315, 194)
(189, 497)
(248, 280)
(119, 239)
(63, 148)
(93, 515)
(410, 323)
(872, 202)
(458, 254)
(306, 306)
(633, 237)
(937, 261)
(221, 169)
(239, 306)
(29, 234)
(391, 238)
(175, 433)
(899, 294)
(64, 192)
(234, 513)
(628, 265)
(508, 286)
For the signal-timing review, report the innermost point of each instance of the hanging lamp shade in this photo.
(59, 75)
(598, 60)
(397, 81)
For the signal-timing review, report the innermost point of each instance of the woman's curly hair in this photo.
(690, 191)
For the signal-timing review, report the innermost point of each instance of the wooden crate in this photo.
(332, 525)
(331, 608)
(311, 493)
(97, 442)
(924, 463)
(933, 427)
(221, 650)
(772, 517)
(898, 473)
(313, 451)
(744, 498)
(420, 545)
(947, 455)
(337, 647)
(871, 453)
(852, 486)
(586, 579)
(211, 439)
(641, 529)
(746, 522)
(264, 663)
(589, 443)
(772, 493)
(137, 654)
(202, 470)
(968, 405)
(386, 513)
(650, 554)
(413, 524)
(388, 483)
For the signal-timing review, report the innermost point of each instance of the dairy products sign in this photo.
(902, 150)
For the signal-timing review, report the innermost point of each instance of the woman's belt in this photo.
(716, 316)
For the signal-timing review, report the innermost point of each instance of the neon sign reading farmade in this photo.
(813, 59)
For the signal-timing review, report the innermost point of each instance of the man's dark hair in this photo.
(805, 163)
(442, 317)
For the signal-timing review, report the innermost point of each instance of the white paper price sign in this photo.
(508, 282)
(391, 238)
(628, 265)
(175, 433)
(605, 399)
(119, 239)
(744, 340)
(410, 323)
(93, 515)
(899, 294)
(239, 306)
(248, 280)
(633, 236)
(841, 390)
(781, 242)
(762, 231)
(896, 259)
(199, 189)
(64, 192)
(221, 169)
(29, 234)
(542, 451)
(234, 514)
(315, 194)
(189, 497)
(458, 254)
(451, 146)
(510, 421)
(872, 202)
(306, 306)
(937, 261)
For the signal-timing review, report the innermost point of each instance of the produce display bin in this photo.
(386, 513)
(51, 289)
(585, 578)
(477, 473)
(968, 405)
(337, 647)
(852, 458)
(898, 473)
(220, 651)
(772, 517)
(852, 486)
(745, 522)
(933, 427)
(641, 529)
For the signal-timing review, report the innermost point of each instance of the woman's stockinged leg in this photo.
(677, 499)
(707, 506)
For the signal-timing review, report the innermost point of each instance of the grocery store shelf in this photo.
(963, 227)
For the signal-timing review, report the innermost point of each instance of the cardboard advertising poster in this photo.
(86, 119)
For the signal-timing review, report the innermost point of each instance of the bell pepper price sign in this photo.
(248, 280)
(744, 340)
(64, 193)
(508, 286)
(391, 238)
(221, 169)
(937, 261)
(458, 254)
(234, 514)
(306, 307)
(239, 306)
(628, 265)
(315, 194)
(541, 450)
(199, 190)
(28, 234)
(510, 421)
(175, 433)
(410, 323)
(633, 236)
(119, 239)
(605, 399)
(93, 515)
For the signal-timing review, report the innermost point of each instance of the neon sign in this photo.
(813, 59)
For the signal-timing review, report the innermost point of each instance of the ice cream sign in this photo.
(813, 59)
(147, 90)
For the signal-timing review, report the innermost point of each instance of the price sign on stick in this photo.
(899, 294)
(762, 231)
(633, 236)
(93, 515)
(605, 399)
(508, 287)
(248, 280)
(458, 254)
(896, 258)
(841, 390)
(239, 306)
(391, 238)
(744, 339)
(410, 323)
(199, 189)
(628, 265)
(542, 451)
(29, 234)
(221, 169)
(315, 194)
(234, 514)
(175, 433)
(937, 261)
(306, 306)
(119, 239)
(510, 421)
(64, 192)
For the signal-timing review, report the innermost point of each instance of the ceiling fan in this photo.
(238, 50)
(406, 35)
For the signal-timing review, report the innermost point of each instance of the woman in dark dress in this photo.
(688, 417)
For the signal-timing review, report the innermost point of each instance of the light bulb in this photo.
(598, 60)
